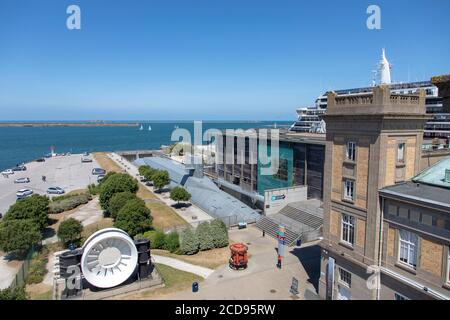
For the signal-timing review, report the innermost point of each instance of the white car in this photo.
(55, 190)
(22, 180)
(7, 172)
(23, 193)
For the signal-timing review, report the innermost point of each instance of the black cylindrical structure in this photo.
(67, 259)
(144, 263)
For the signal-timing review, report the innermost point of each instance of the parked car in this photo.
(22, 180)
(97, 171)
(86, 159)
(23, 193)
(55, 190)
(40, 160)
(100, 177)
(19, 168)
(7, 172)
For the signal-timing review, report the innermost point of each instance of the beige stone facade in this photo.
(387, 131)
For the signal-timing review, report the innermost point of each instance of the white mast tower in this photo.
(384, 69)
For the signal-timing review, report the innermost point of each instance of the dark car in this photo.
(98, 171)
(40, 160)
(20, 168)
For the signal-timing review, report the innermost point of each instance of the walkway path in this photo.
(184, 266)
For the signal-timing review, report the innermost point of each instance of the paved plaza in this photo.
(262, 279)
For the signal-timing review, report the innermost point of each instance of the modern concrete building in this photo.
(374, 140)
(238, 168)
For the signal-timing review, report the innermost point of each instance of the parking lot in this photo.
(66, 172)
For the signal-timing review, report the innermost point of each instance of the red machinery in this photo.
(238, 257)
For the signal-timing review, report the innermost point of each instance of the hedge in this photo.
(69, 202)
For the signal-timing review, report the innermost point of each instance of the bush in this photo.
(118, 182)
(160, 179)
(150, 235)
(69, 202)
(70, 231)
(172, 242)
(179, 194)
(159, 240)
(38, 270)
(134, 217)
(94, 189)
(117, 202)
(219, 233)
(17, 293)
(189, 242)
(204, 236)
(19, 235)
(35, 208)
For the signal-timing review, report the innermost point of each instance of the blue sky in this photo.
(205, 59)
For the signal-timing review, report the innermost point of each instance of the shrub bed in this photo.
(69, 202)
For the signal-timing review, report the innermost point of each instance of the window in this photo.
(403, 213)
(282, 173)
(345, 277)
(392, 210)
(401, 152)
(448, 265)
(348, 229)
(400, 297)
(344, 293)
(408, 248)
(351, 150)
(349, 186)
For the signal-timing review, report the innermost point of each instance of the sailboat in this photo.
(149, 128)
(141, 128)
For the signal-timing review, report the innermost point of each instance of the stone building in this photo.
(373, 141)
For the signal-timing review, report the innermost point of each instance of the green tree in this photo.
(219, 233)
(172, 242)
(143, 169)
(117, 202)
(70, 231)
(189, 243)
(35, 208)
(160, 179)
(147, 172)
(16, 293)
(204, 236)
(19, 235)
(134, 218)
(118, 182)
(179, 194)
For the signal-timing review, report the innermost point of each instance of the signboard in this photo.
(294, 286)
(330, 279)
(278, 197)
(281, 240)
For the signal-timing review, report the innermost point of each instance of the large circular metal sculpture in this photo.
(109, 258)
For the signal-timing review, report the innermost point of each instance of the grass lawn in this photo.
(164, 216)
(175, 280)
(209, 259)
(106, 162)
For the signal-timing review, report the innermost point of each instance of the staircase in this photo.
(306, 216)
(271, 228)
